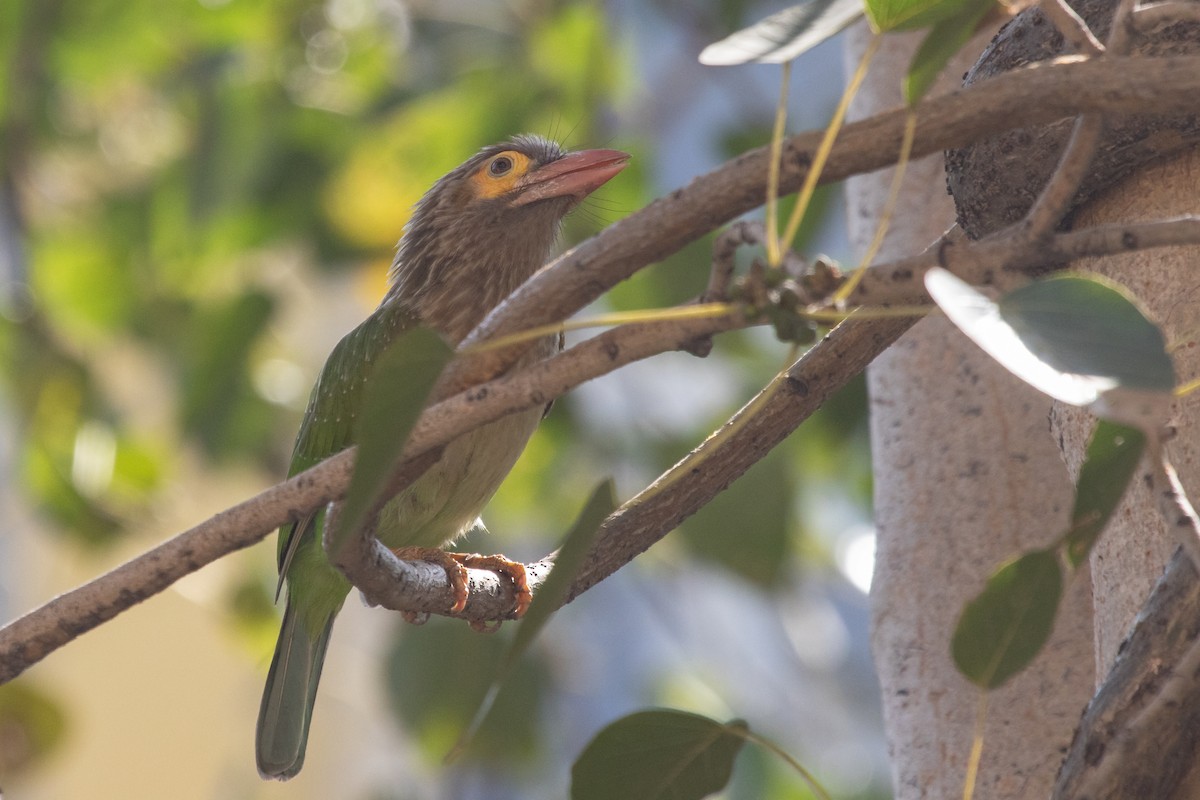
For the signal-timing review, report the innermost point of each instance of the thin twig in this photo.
(1054, 201)
(744, 232)
(1172, 500)
(1074, 30)
(1055, 198)
(1148, 17)
(1120, 35)
(983, 262)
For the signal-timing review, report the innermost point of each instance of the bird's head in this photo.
(488, 225)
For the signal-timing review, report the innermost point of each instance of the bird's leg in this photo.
(456, 565)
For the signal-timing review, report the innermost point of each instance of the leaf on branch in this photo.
(658, 755)
(784, 35)
(887, 16)
(1112, 458)
(571, 554)
(548, 599)
(939, 46)
(1080, 339)
(34, 725)
(397, 389)
(1003, 628)
(434, 680)
(759, 505)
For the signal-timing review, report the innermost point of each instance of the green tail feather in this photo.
(287, 701)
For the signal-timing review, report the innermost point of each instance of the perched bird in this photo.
(477, 235)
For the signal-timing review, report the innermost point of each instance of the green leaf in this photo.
(395, 394)
(1091, 326)
(33, 723)
(887, 16)
(784, 35)
(1112, 458)
(1002, 629)
(941, 43)
(216, 353)
(657, 755)
(548, 599)
(434, 679)
(571, 555)
(1077, 338)
(759, 506)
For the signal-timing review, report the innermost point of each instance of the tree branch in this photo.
(1035, 95)
(1146, 18)
(33, 636)
(902, 282)
(1026, 97)
(1139, 733)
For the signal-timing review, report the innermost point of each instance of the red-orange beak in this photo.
(575, 175)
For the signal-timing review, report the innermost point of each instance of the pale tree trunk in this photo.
(966, 476)
(1130, 557)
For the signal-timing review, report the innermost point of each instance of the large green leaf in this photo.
(435, 676)
(549, 597)
(657, 755)
(1091, 326)
(1002, 629)
(1080, 339)
(570, 558)
(395, 394)
(1112, 458)
(784, 35)
(748, 528)
(34, 725)
(215, 364)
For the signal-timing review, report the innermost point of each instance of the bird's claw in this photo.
(456, 572)
(505, 567)
(415, 617)
(456, 566)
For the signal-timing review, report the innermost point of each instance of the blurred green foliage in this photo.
(438, 676)
(32, 726)
(164, 162)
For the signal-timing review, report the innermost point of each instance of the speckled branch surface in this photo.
(1027, 97)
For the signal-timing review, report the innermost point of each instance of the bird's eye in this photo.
(500, 166)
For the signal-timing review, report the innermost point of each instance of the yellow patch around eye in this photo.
(493, 180)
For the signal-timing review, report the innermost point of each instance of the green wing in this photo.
(329, 422)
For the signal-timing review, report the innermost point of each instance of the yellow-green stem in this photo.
(774, 251)
(809, 778)
(822, 155)
(698, 311)
(885, 218)
(973, 760)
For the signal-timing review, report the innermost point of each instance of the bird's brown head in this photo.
(488, 225)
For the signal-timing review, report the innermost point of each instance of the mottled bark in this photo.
(966, 476)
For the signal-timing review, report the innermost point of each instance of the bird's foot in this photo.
(456, 566)
(507, 568)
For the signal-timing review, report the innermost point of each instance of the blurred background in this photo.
(198, 198)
